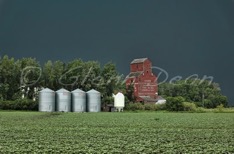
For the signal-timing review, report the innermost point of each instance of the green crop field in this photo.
(153, 132)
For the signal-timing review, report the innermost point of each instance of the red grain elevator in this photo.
(143, 80)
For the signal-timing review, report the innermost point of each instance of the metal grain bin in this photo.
(78, 101)
(63, 100)
(93, 101)
(47, 100)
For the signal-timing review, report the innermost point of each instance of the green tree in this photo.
(91, 76)
(29, 75)
(73, 75)
(48, 75)
(130, 93)
(8, 83)
(175, 103)
(59, 70)
(110, 82)
(203, 92)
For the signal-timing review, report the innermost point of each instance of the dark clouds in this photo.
(184, 37)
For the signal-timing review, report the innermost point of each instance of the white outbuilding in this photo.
(160, 100)
(119, 101)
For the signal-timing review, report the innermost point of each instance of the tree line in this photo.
(23, 78)
(26, 76)
(203, 93)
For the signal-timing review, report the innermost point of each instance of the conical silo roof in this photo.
(78, 91)
(93, 91)
(62, 90)
(46, 90)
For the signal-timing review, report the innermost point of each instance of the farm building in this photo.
(161, 100)
(143, 80)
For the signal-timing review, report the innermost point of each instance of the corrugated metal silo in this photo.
(47, 100)
(78, 101)
(93, 101)
(63, 100)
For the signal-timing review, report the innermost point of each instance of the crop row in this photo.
(34, 132)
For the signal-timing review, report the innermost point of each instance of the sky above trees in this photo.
(184, 37)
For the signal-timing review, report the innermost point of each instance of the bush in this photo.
(189, 106)
(220, 108)
(146, 107)
(150, 107)
(160, 106)
(201, 110)
(7, 105)
(140, 106)
(175, 103)
(19, 104)
(134, 106)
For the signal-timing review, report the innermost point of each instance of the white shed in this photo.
(161, 100)
(119, 101)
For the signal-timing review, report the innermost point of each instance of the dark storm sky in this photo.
(184, 37)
